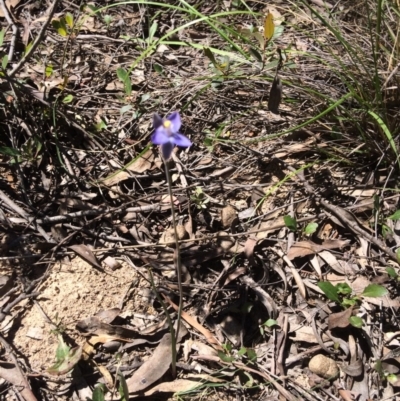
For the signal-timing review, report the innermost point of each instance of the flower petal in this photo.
(160, 136)
(175, 119)
(181, 140)
(157, 121)
(166, 149)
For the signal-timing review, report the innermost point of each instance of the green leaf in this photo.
(329, 290)
(123, 388)
(242, 351)
(225, 358)
(271, 323)
(2, 33)
(66, 358)
(100, 126)
(28, 47)
(125, 108)
(343, 288)
(356, 321)
(68, 99)
(122, 74)
(9, 151)
(158, 68)
(290, 223)
(48, 70)
(251, 354)
(4, 61)
(311, 228)
(98, 392)
(60, 26)
(391, 272)
(107, 19)
(69, 19)
(347, 303)
(374, 290)
(395, 215)
(378, 367)
(153, 30)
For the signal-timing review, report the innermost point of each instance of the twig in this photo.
(22, 213)
(37, 40)
(24, 387)
(7, 15)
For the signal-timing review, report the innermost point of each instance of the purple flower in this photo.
(167, 134)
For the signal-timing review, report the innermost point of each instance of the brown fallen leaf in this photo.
(10, 373)
(154, 368)
(138, 166)
(340, 319)
(304, 248)
(85, 253)
(174, 387)
(9, 4)
(193, 322)
(275, 95)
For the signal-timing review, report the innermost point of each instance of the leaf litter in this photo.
(85, 215)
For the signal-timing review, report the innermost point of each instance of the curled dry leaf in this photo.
(304, 248)
(85, 253)
(176, 386)
(154, 368)
(275, 95)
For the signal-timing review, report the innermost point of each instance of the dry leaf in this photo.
(304, 248)
(154, 368)
(12, 375)
(140, 165)
(85, 253)
(9, 3)
(174, 387)
(340, 319)
(275, 95)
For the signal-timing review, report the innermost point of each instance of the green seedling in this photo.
(200, 199)
(342, 294)
(66, 358)
(268, 326)
(290, 223)
(244, 354)
(393, 274)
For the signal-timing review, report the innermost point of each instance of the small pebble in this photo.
(324, 367)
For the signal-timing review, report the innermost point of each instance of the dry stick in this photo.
(23, 387)
(7, 15)
(22, 213)
(36, 42)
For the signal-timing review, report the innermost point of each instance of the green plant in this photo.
(199, 198)
(342, 294)
(268, 325)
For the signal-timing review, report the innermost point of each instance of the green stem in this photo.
(177, 259)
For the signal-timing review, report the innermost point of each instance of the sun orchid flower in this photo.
(166, 133)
